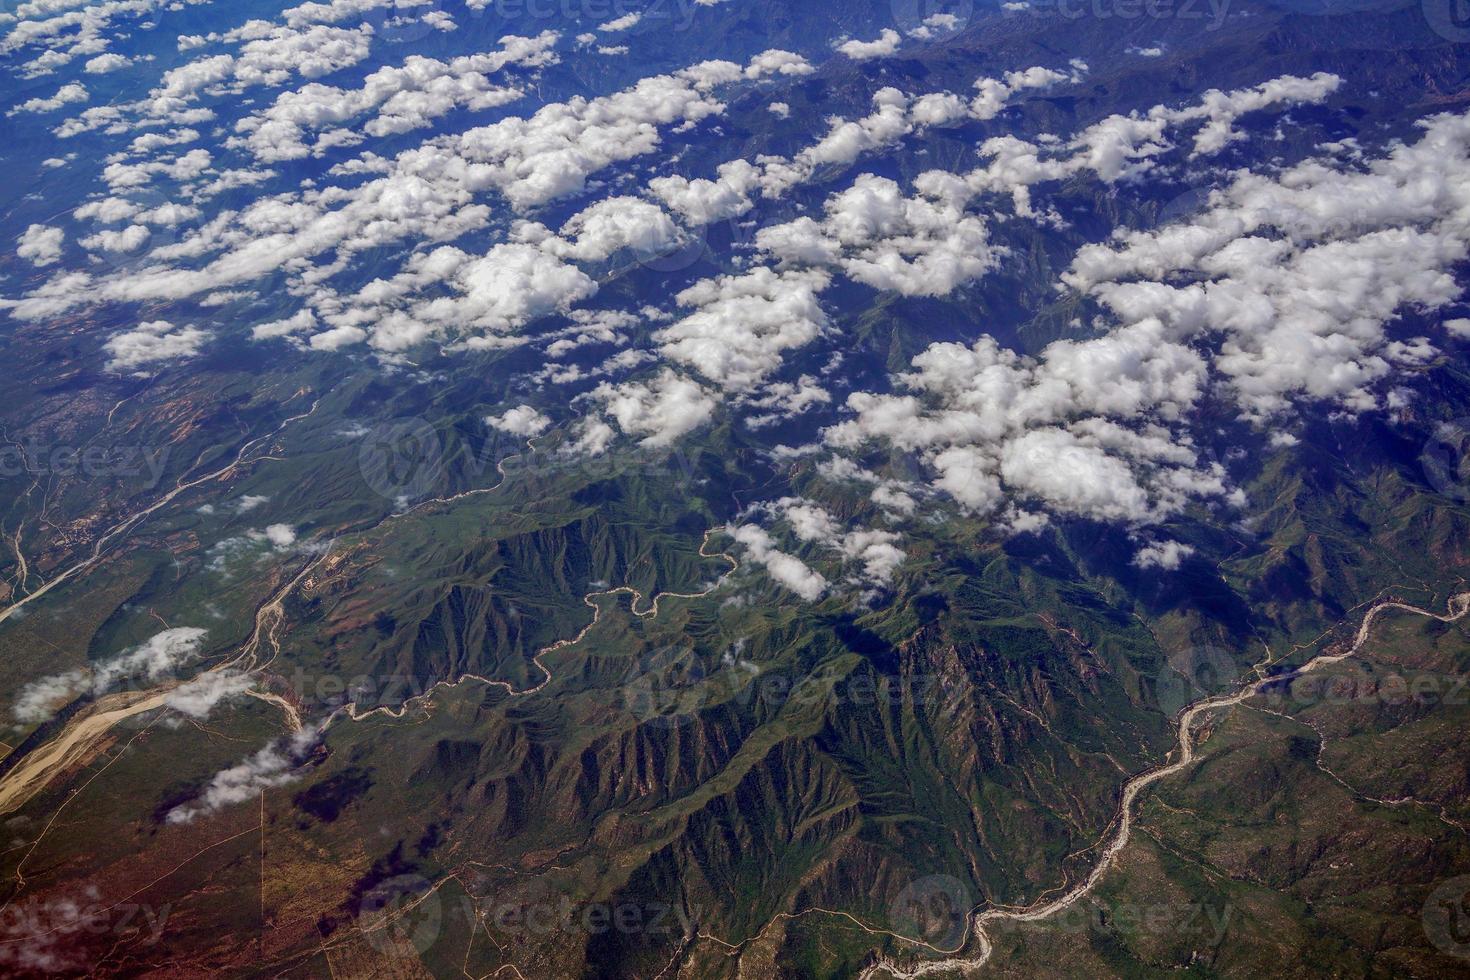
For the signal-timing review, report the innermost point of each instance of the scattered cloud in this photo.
(275, 765)
(886, 43)
(523, 420)
(151, 661)
(1165, 555)
(40, 245)
(153, 343)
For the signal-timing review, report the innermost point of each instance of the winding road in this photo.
(546, 677)
(83, 732)
(1122, 825)
(99, 549)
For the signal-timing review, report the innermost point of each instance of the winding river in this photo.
(1121, 827)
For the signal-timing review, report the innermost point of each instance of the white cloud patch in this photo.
(704, 201)
(402, 98)
(67, 30)
(1165, 555)
(106, 63)
(1295, 277)
(153, 343)
(300, 322)
(782, 400)
(886, 43)
(506, 288)
(937, 25)
(40, 245)
(876, 551)
(523, 420)
(917, 246)
(1124, 147)
(274, 765)
(252, 546)
(660, 410)
(896, 115)
(611, 225)
(551, 154)
(622, 23)
(67, 94)
(248, 502)
(271, 57)
(1070, 428)
(428, 195)
(993, 94)
(151, 661)
(199, 697)
(1281, 291)
(742, 325)
(786, 569)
